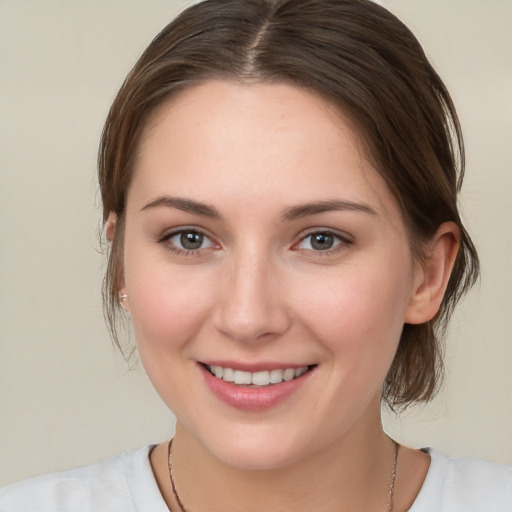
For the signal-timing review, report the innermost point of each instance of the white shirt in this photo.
(125, 483)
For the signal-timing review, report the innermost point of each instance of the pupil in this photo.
(322, 241)
(191, 241)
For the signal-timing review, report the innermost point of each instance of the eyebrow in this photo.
(296, 212)
(185, 205)
(292, 213)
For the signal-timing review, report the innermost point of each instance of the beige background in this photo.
(66, 397)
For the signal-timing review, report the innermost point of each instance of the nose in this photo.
(252, 306)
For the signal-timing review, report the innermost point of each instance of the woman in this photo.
(279, 185)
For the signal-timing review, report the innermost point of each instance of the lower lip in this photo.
(252, 399)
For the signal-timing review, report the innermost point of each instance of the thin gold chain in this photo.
(175, 492)
(393, 478)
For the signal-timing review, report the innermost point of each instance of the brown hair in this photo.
(360, 58)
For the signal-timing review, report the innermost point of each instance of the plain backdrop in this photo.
(66, 396)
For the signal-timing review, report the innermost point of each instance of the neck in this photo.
(353, 474)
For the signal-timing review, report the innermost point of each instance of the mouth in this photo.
(259, 379)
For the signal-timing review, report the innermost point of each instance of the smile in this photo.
(264, 387)
(256, 379)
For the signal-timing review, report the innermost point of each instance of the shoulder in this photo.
(462, 484)
(112, 484)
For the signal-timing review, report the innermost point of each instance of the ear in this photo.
(110, 231)
(432, 275)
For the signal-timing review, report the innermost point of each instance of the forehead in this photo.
(220, 140)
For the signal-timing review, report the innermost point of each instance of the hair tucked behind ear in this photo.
(363, 60)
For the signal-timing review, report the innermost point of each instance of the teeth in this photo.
(276, 376)
(288, 374)
(301, 371)
(228, 374)
(240, 376)
(263, 378)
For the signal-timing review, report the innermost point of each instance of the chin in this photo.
(255, 459)
(252, 451)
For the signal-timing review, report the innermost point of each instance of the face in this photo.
(261, 246)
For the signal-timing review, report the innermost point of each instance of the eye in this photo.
(187, 241)
(321, 241)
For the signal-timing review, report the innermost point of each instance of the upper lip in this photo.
(253, 367)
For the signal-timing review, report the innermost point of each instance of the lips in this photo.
(256, 390)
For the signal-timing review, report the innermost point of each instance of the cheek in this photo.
(362, 310)
(168, 304)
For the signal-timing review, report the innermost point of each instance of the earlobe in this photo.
(123, 299)
(110, 226)
(433, 274)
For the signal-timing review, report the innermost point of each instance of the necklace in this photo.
(389, 505)
(393, 478)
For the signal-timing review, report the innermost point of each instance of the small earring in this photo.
(123, 297)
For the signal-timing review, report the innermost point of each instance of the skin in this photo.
(258, 290)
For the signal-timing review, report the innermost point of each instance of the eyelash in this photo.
(342, 241)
